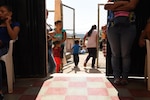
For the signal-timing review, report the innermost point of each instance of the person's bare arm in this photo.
(122, 5)
(147, 30)
(84, 40)
(97, 41)
(115, 5)
(64, 37)
(129, 6)
(142, 39)
(144, 35)
(52, 36)
(13, 32)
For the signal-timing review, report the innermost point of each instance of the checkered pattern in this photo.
(77, 88)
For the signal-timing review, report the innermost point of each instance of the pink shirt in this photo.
(121, 13)
(92, 39)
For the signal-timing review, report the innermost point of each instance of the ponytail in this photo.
(91, 30)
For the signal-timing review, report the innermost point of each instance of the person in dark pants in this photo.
(51, 62)
(121, 34)
(8, 30)
(75, 50)
(92, 37)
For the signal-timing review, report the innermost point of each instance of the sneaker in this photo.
(61, 71)
(117, 81)
(93, 67)
(124, 82)
(1, 97)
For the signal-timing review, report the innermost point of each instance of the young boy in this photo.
(145, 34)
(75, 51)
(56, 54)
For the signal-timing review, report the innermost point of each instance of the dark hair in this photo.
(76, 42)
(9, 8)
(91, 30)
(57, 22)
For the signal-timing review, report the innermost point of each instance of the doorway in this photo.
(68, 17)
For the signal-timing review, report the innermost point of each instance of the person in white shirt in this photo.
(91, 36)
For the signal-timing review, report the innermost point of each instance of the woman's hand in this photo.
(84, 45)
(109, 6)
(8, 20)
(142, 42)
(142, 38)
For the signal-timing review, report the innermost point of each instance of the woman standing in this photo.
(121, 34)
(8, 30)
(91, 36)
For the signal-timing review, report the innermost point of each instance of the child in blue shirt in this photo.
(75, 51)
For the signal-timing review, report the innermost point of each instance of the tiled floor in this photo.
(78, 84)
(77, 87)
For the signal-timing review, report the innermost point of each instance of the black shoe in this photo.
(61, 71)
(1, 97)
(124, 82)
(117, 81)
(93, 67)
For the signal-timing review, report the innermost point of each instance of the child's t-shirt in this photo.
(59, 36)
(56, 52)
(76, 49)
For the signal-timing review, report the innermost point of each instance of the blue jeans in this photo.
(76, 59)
(121, 38)
(51, 61)
(3, 51)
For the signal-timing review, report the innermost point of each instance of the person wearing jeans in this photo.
(121, 34)
(121, 39)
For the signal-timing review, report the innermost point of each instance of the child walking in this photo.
(56, 54)
(75, 50)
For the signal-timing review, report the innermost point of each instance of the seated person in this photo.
(145, 34)
(8, 30)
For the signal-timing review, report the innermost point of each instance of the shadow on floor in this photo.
(75, 70)
(92, 70)
(135, 90)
